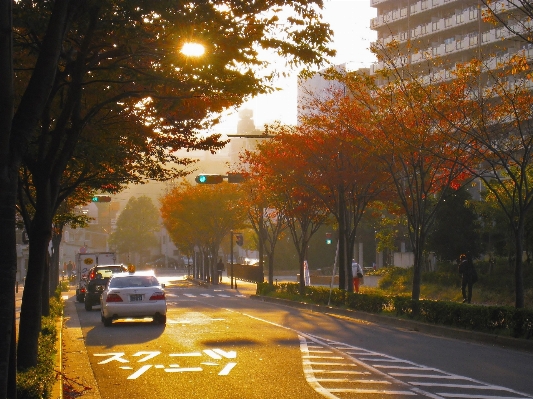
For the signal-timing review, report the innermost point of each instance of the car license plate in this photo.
(136, 297)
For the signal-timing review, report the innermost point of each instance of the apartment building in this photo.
(451, 30)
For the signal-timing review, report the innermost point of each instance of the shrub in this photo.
(37, 382)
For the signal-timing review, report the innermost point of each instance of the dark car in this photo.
(97, 280)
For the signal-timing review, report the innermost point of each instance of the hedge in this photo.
(502, 320)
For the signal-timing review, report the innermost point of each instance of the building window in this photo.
(423, 29)
(424, 4)
(403, 35)
(472, 13)
(403, 12)
(459, 18)
(448, 21)
(435, 26)
(472, 39)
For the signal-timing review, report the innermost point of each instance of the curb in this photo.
(425, 328)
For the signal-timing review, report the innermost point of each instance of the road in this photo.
(219, 343)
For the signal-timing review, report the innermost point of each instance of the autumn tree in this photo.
(269, 224)
(342, 172)
(203, 215)
(280, 168)
(513, 15)
(137, 225)
(406, 131)
(88, 86)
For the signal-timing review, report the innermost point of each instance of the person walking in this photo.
(357, 273)
(70, 267)
(468, 276)
(220, 269)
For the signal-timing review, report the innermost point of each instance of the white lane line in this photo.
(309, 373)
(467, 396)
(190, 295)
(330, 364)
(372, 391)
(341, 372)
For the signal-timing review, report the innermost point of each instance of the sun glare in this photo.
(192, 49)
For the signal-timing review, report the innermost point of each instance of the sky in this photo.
(350, 22)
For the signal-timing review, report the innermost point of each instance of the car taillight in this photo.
(92, 275)
(83, 290)
(158, 296)
(113, 298)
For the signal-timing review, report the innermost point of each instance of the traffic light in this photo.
(235, 178)
(328, 238)
(101, 198)
(239, 239)
(208, 179)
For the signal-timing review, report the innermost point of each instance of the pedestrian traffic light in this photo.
(101, 198)
(239, 239)
(208, 179)
(328, 238)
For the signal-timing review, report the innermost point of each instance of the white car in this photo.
(134, 295)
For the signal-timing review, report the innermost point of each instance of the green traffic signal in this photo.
(209, 179)
(101, 198)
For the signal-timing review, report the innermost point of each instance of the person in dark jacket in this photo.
(466, 268)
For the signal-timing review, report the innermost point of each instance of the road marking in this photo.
(139, 372)
(186, 354)
(182, 370)
(227, 368)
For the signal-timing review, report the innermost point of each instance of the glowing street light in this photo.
(192, 49)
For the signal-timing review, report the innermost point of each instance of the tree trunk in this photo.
(519, 277)
(30, 312)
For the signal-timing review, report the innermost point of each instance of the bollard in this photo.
(17, 287)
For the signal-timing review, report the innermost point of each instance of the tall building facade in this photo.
(451, 30)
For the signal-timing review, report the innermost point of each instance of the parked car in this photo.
(97, 280)
(135, 294)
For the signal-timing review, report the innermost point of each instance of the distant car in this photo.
(134, 295)
(97, 280)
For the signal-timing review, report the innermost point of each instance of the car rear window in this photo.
(133, 281)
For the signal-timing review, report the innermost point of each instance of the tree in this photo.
(515, 16)
(89, 89)
(268, 223)
(279, 168)
(137, 226)
(343, 173)
(456, 229)
(406, 130)
(495, 126)
(203, 215)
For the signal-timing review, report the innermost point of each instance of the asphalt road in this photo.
(219, 343)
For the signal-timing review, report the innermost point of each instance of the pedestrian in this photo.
(70, 267)
(220, 269)
(468, 276)
(357, 272)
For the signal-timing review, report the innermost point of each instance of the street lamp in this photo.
(191, 49)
